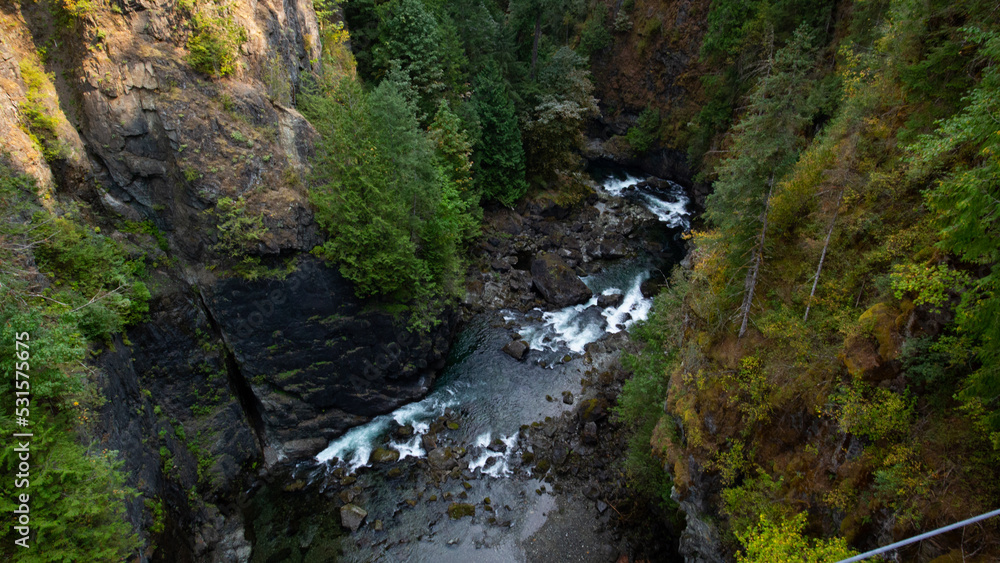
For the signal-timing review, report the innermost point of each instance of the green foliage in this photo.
(966, 198)
(750, 391)
(766, 144)
(41, 124)
(394, 213)
(646, 131)
(147, 228)
(81, 519)
(773, 540)
(77, 495)
(409, 35)
(157, 514)
(215, 42)
(741, 36)
(873, 412)
(453, 150)
(499, 155)
(930, 285)
(553, 128)
(891, 216)
(595, 35)
(95, 280)
(640, 404)
(238, 236)
(756, 497)
(902, 482)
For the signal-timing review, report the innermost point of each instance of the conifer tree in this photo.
(499, 154)
(766, 145)
(967, 203)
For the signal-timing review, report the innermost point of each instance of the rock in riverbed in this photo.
(458, 510)
(383, 455)
(610, 300)
(557, 282)
(351, 516)
(516, 349)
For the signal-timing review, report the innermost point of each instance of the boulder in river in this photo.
(610, 300)
(460, 509)
(428, 442)
(383, 455)
(351, 516)
(516, 349)
(557, 282)
(441, 458)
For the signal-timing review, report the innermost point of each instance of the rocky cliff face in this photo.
(652, 63)
(101, 103)
(318, 360)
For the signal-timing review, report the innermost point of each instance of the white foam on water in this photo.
(501, 466)
(354, 449)
(480, 462)
(411, 448)
(615, 187)
(571, 328)
(673, 214)
(633, 304)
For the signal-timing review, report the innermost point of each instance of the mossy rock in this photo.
(880, 320)
(458, 510)
(383, 455)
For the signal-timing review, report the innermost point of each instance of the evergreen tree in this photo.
(766, 144)
(409, 33)
(452, 149)
(967, 203)
(554, 127)
(499, 155)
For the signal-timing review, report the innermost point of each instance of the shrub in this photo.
(782, 540)
(873, 412)
(41, 124)
(645, 133)
(77, 514)
(215, 42)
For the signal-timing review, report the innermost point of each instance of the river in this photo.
(477, 413)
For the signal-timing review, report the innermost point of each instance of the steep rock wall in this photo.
(318, 359)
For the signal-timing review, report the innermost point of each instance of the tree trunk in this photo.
(758, 257)
(822, 256)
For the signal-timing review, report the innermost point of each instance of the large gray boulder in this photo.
(516, 349)
(557, 282)
(352, 515)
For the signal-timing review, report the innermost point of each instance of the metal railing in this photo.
(914, 539)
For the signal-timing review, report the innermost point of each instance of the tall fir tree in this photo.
(499, 154)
